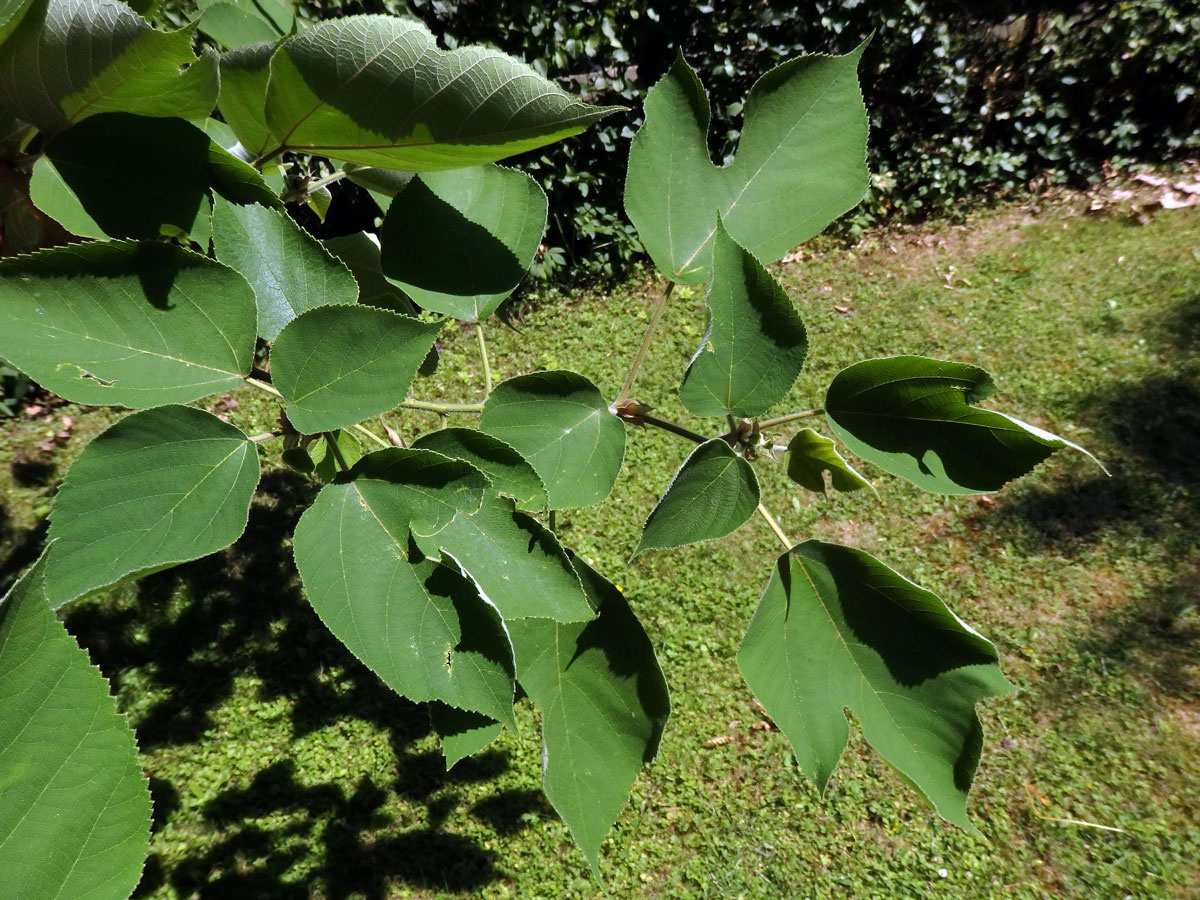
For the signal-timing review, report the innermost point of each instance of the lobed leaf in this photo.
(129, 324)
(800, 163)
(604, 705)
(712, 494)
(459, 242)
(376, 90)
(755, 345)
(159, 487)
(811, 455)
(561, 423)
(287, 267)
(836, 629)
(75, 821)
(915, 417)
(338, 365)
(70, 59)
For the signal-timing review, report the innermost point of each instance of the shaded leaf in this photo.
(835, 629)
(561, 423)
(338, 365)
(712, 494)
(419, 625)
(237, 23)
(459, 242)
(463, 733)
(244, 76)
(360, 253)
(75, 58)
(914, 417)
(11, 13)
(325, 461)
(287, 267)
(506, 469)
(159, 487)
(129, 324)
(800, 163)
(75, 821)
(376, 90)
(604, 705)
(811, 455)
(755, 345)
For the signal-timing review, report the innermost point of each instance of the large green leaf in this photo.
(419, 625)
(801, 162)
(459, 242)
(129, 324)
(714, 492)
(244, 76)
(505, 468)
(811, 455)
(517, 563)
(337, 365)
(132, 175)
(287, 267)
(755, 345)
(836, 629)
(159, 487)
(604, 705)
(75, 58)
(75, 821)
(377, 90)
(561, 423)
(914, 417)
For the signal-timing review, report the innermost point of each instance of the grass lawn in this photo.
(281, 768)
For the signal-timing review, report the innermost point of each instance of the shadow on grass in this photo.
(185, 637)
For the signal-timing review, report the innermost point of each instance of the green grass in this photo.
(281, 768)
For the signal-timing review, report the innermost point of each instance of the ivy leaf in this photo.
(169, 165)
(714, 493)
(337, 365)
(604, 706)
(914, 417)
(811, 455)
(800, 163)
(75, 821)
(835, 629)
(244, 76)
(75, 58)
(517, 563)
(159, 487)
(459, 242)
(506, 469)
(419, 625)
(463, 733)
(755, 345)
(127, 324)
(561, 423)
(376, 90)
(288, 268)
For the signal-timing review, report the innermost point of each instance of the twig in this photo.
(674, 429)
(263, 386)
(336, 451)
(372, 435)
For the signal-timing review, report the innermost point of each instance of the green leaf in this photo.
(518, 564)
(244, 76)
(238, 23)
(338, 365)
(561, 423)
(325, 461)
(54, 197)
(11, 14)
(604, 705)
(377, 90)
(419, 625)
(169, 165)
(836, 629)
(128, 324)
(714, 493)
(506, 469)
(159, 487)
(75, 821)
(914, 417)
(755, 345)
(801, 163)
(75, 58)
(459, 242)
(463, 733)
(811, 455)
(288, 268)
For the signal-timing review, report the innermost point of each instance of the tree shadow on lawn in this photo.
(186, 636)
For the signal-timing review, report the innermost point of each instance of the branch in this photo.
(673, 428)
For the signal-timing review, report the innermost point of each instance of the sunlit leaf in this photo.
(837, 629)
(463, 733)
(244, 76)
(237, 23)
(811, 455)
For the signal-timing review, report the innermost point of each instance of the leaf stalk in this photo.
(640, 357)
